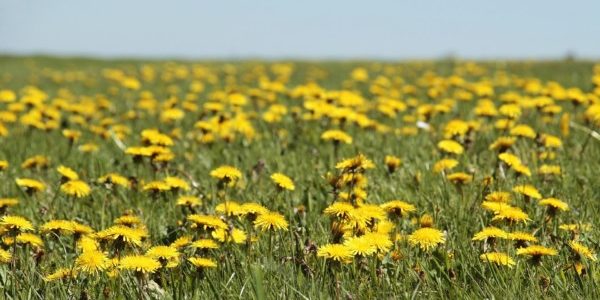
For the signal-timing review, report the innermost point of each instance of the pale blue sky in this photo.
(301, 29)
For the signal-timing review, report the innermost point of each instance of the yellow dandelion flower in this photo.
(426, 238)
(271, 221)
(554, 204)
(445, 164)
(204, 244)
(337, 136)
(536, 251)
(226, 173)
(139, 263)
(582, 250)
(498, 196)
(3, 165)
(339, 209)
(60, 274)
(234, 235)
(30, 185)
(490, 233)
(177, 183)
(528, 190)
(459, 178)
(8, 202)
(514, 214)
(360, 246)
(335, 252)
(450, 146)
(190, 201)
(114, 178)
(16, 223)
(282, 181)
(92, 262)
(503, 143)
(523, 131)
(5, 256)
(181, 242)
(549, 170)
(381, 241)
(31, 239)
(522, 237)
(498, 258)
(76, 188)
(203, 263)
(392, 163)
(398, 207)
(357, 164)
(207, 222)
(67, 173)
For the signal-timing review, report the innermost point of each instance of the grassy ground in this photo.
(110, 110)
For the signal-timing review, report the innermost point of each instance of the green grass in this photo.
(289, 268)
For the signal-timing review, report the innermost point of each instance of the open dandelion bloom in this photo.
(235, 235)
(271, 221)
(202, 263)
(114, 178)
(336, 252)
(8, 202)
(76, 188)
(523, 131)
(536, 251)
(177, 183)
(513, 214)
(360, 246)
(341, 210)
(398, 207)
(226, 173)
(498, 197)
(450, 146)
(336, 136)
(502, 143)
(31, 239)
(206, 222)
(509, 159)
(490, 233)
(498, 258)
(528, 190)
(549, 170)
(582, 251)
(445, 164)
(168, 256)
(30, 184)
(3, 165)
(60, 274)
(139, 263)
(5, 256)
(459, 178)
(204, 244)
(522, 237)
(392, 162)
(190, 201)
(67, 173)
(357, 164)
(229, 208)
(16, 223)
(426, 238)
(92, 262)
(554, 204)
(283, 182)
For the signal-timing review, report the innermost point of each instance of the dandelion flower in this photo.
(357, 164)
(445, 164)
(498, 258)
(450, 146)
(335, 252)
(226, 173)
(398, 207)
(76, 188)
(337, 136)
(554, 204)
(490, 233)
(60, 274)
(139, 263)
(271, 221)
(92, 262)
(360, 246)
(582, 251)
(16, 223)
(202, 263)
(426, 238)
(283, 182)
(30, 185)
(528, 190)
(536, 251)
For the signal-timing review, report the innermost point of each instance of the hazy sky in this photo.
(301, 29)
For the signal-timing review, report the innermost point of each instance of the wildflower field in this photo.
(299, 180)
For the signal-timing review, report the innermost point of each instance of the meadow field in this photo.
(299, 180)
